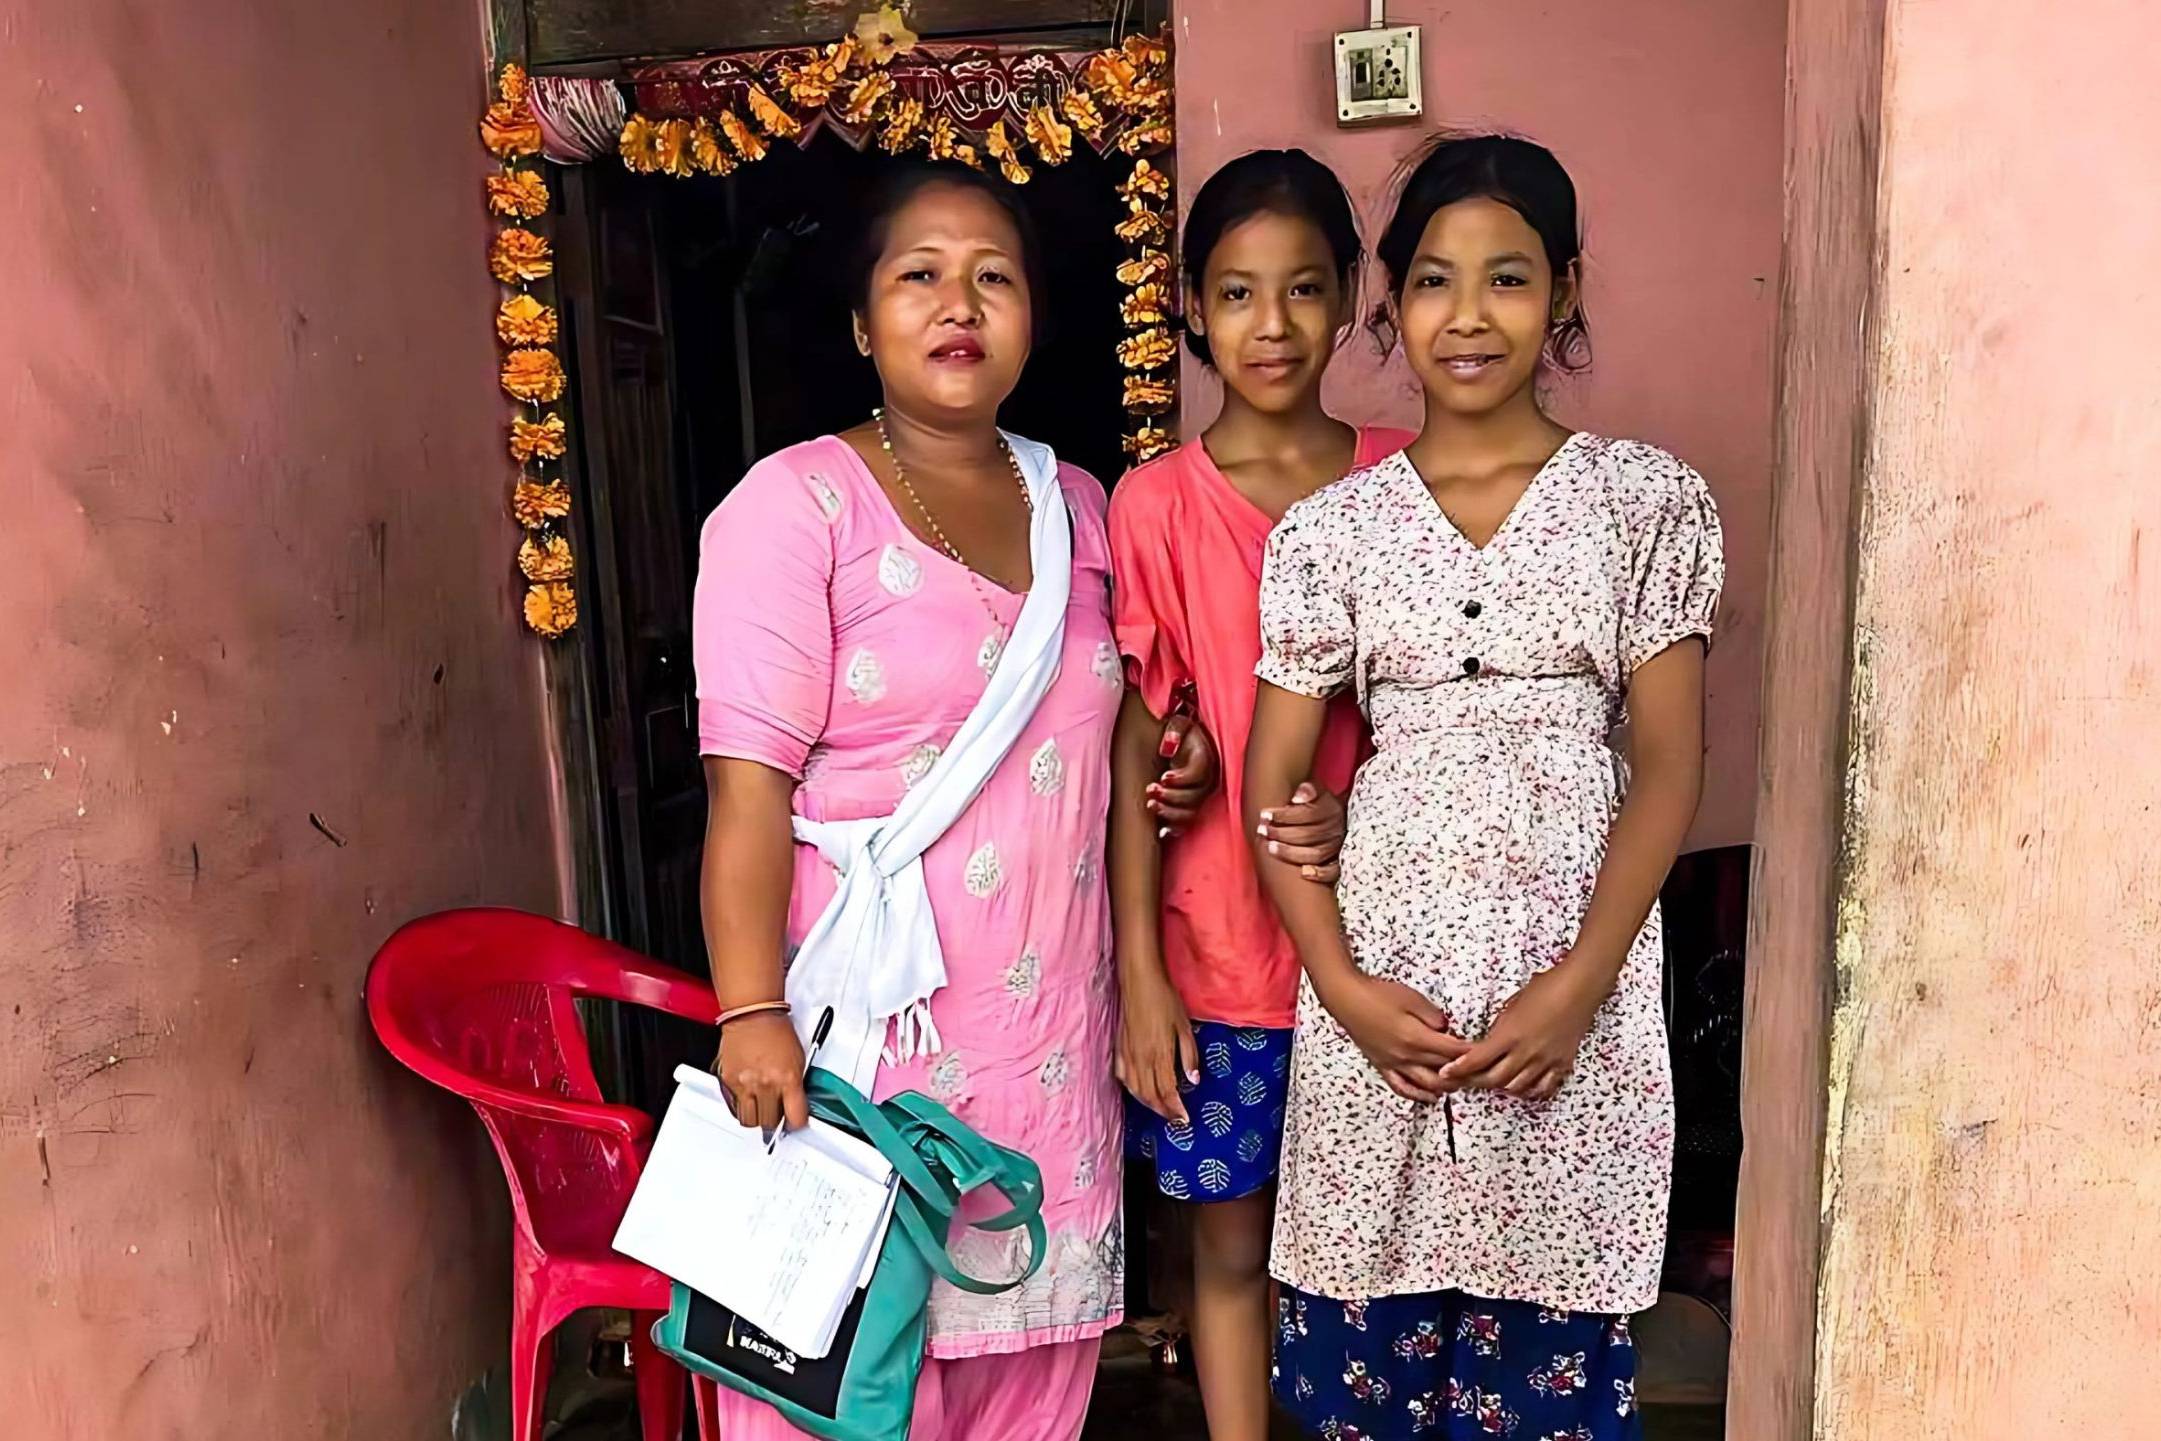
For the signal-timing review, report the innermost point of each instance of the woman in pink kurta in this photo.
(854, 599)
(836, 647)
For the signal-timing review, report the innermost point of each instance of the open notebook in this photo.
(783, 1240)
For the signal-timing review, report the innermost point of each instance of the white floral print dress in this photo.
(1492, 677)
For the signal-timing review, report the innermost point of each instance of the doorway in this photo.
(709, 322)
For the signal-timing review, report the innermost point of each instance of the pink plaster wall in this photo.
(1992, 1196)
(254, 567)
(1669, 114)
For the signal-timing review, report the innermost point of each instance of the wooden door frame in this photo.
(1834, 65)
(1832, 253)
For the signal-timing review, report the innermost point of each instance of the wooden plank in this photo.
(1834, 98)
(571, 32)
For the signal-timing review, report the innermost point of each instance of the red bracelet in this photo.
(755, 1008)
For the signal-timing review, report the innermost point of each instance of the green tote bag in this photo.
(864, 1388)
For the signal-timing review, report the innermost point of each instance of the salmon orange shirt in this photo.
(1186, 552)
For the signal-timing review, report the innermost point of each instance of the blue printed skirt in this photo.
(1229, 1146)
(1445, 1366)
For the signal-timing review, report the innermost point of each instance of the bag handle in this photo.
(929, 1194)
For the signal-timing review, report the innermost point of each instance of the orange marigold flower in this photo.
(1147, 181)
(674, 148)
(903, 128)
(534, 504)
(966, 155)
(1148, 350)
(1108, 73)
(1001, 148)
(741, 136)
(812, 83)
(1051, 137)
(545, 559)
(943, 137)
(1146, 51)
(1154, 136)
(551, 609)
(639, 145)
(518, 255)
(706, 151)
(522, 320)
(1080, 108)
(533, 375)
(510, 131)
(1149, 93)
(537, 439)
(519, 194)
(861, 106)
(882, 34)
(1147, 305)
(513, 84)
(1141, 225)
(773, 120)
(1146, 395)
(1148, 442)
(1148, 265)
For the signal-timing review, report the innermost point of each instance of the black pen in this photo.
(817, 1039)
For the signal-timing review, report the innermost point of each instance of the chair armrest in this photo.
(642, 982)
(626, 1123)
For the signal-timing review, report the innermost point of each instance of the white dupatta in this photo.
(873, 954)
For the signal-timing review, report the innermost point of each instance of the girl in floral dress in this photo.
(1208, 980)
(1476, 1158)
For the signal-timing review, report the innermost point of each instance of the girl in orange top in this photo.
(1208, 976)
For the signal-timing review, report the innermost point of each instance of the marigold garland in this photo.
(904, 129)
(1145, 305)
(534, 504)
(1122, 98)
(518, 255)
(529, 328)
(773, 120)
(523, 320)
(1051, 137)
(538, 439)
(510, 130)
(518, 195)
(706, 151)
(551, 609)
(671, 149)
(1148, 349)
(545, 558)
(639, 145)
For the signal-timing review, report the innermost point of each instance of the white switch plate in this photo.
(1378, 76)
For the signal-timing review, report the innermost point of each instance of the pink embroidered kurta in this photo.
(833, 645)
(1492, 677)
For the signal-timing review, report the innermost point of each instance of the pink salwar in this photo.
(1040, 1394)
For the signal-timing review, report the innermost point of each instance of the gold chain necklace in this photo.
(900, 474)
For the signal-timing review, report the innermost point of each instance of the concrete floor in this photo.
(1134, 1399)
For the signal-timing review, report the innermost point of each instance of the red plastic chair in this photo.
(480, 1002)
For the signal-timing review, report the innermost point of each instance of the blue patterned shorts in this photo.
(1229, 1147)
(1445, 1366)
